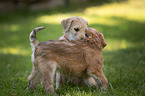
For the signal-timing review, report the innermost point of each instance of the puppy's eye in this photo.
(76, 29)
(86, 35)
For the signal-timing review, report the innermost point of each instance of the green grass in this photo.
(123, 25)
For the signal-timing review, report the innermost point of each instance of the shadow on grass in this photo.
(12, 65)
(129, 30)
(124, 69)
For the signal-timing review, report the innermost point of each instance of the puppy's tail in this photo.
(33, 39)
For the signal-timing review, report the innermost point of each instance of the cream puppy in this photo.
(74, 28)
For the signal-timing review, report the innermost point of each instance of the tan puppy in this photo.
(74, 28)
(74, 80)
(82, 59)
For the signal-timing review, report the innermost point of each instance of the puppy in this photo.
(74, 28)
(81, 58)
(74, 80)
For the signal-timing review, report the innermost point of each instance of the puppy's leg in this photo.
(48, 71)
(90, 81)
(98, 75)
(102, 77)
(34, 78)
(57, 79)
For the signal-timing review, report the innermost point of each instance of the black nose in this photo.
(81, 38)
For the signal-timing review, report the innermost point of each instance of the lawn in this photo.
(123, 26)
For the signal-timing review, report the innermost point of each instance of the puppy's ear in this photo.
(88, 33)
(66, 23)
(86, 22)
(103, 42)
(83, 20)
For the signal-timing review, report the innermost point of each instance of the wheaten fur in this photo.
(81, 59)
(74, 28)
(69, 25)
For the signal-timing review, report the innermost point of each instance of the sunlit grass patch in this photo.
(15, 51)
(56, 19)
(14, 28)
(117, 45)
(52, 19)
(132, 10)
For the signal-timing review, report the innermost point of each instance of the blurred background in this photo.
(121, 21)
(13, 5)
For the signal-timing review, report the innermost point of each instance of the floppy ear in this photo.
(83, 20)
(88, 34)
(66, 23)
(86, 22)
(103, 42)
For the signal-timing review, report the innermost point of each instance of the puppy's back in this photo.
(73, 58)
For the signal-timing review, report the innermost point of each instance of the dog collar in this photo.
(65, 37)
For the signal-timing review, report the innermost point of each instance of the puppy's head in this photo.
(96, 37)
(74, 27)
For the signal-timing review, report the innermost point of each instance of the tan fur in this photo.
(81, 59)
(90, 32)
(70, 25)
